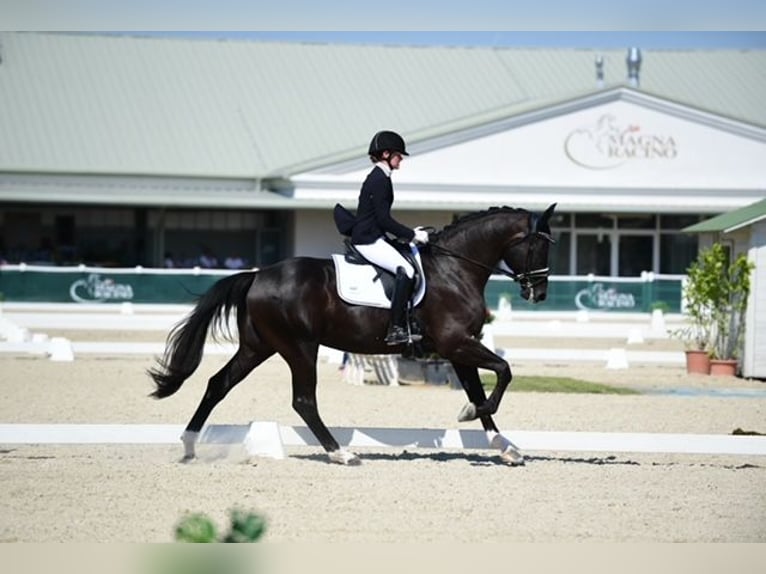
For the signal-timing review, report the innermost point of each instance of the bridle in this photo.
(527, 279)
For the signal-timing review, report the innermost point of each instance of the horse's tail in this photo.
(186, 341)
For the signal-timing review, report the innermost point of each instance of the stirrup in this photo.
(397, 335)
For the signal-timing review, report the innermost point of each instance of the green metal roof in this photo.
(732, 220)
(90, 104)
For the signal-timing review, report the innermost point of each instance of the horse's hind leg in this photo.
(302, 361)
(235, 370)
(469, 378)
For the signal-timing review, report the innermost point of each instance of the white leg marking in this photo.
(509, 452)
(189, 439)
(344, 457)
(467, 413)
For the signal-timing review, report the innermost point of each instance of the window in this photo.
(677, 251)
(637, 222)
(635, 255)
(594, 253)
(558, 254)
(678, 221)
(593, 220)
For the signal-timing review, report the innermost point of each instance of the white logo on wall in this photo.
(95, 290)
(596, 297)
(606, 144)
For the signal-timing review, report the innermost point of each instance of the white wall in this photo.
(620, 156)
(615, 145)
(754, 360)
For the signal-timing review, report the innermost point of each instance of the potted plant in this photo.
(696, 334)
(715, 295)
(728, 302)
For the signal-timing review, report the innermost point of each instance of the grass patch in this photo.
(535, 384)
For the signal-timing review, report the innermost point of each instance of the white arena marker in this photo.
(89, 434)
(60, 349)
(534, 440)
(617, 359)
(264, 439)
(640, 442)
(635, 336)
(224, 434)
(268, 438)
(12, 332)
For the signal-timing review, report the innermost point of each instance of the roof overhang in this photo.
(732, 220)
(437, 197)
(140, 191)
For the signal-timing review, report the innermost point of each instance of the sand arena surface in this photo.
(136, 493)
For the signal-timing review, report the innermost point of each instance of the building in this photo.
(743, 231)
(120, 150)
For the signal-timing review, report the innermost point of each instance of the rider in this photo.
(373, 220)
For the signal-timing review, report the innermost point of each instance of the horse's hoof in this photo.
(467, 413)
(512, 457)
(509, 453)
(344, 457)
(187, 458)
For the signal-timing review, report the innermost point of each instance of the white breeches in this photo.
(383, 254)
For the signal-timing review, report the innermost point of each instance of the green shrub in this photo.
(199, 528)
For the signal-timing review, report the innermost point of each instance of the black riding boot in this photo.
(398, 332)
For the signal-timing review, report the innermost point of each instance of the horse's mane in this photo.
(469, 217)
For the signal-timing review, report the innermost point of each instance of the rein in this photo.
(504, 270)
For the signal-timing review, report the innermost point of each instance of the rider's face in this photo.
(394, 160)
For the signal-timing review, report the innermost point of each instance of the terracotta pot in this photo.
(697, 362)
(723, 367)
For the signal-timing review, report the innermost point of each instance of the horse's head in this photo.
(526, 257)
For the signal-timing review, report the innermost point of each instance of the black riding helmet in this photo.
(387, 140)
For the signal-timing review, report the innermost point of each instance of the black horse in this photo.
(292, 308)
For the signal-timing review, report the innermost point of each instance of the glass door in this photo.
(635, 255)
(594, 253)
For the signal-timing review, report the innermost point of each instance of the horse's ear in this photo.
(548, 212)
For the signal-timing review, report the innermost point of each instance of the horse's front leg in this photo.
(471, 353)
(469, 378)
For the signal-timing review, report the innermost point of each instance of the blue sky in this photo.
(394, 15)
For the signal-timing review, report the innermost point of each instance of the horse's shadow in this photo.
(480, 460)
(472, 459)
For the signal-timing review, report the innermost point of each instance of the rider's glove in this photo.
(421, 235)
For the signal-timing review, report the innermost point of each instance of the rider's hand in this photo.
(421, 235)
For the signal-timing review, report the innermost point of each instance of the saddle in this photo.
(361, 282)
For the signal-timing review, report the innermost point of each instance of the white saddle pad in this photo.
(357, 284)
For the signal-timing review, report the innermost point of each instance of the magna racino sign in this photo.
(598, 297)
(94, 289)
(607, 144)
